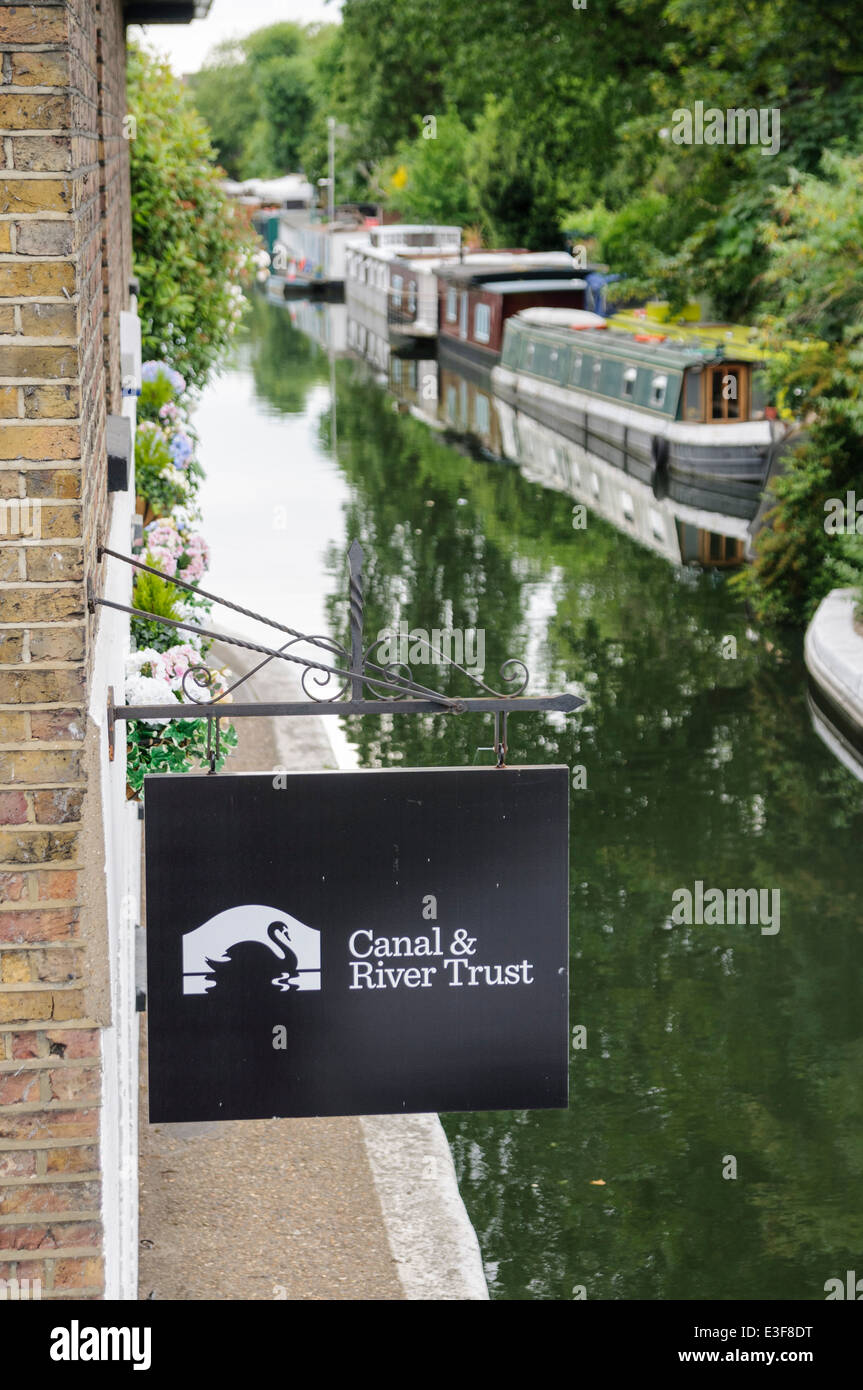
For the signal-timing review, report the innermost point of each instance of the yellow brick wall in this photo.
(65, 261)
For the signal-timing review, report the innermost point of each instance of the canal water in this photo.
(709, 1050)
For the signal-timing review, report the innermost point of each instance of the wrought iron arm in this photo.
(393, 684)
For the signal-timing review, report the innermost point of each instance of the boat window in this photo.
(627, 505)
(658, 388)
(692, 396)
(529, 356)
(758, 395)
(397, 291)
(597, 368)
(629, 379)
(451, 306)
(482, 323)
(575, 370)
(725, 393)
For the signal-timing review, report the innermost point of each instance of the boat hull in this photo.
(719, 467)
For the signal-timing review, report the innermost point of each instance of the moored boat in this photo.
(479, 295)
(682, 409)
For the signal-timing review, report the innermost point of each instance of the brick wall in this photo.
(64, 267)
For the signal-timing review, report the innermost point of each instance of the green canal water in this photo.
(703, 1042)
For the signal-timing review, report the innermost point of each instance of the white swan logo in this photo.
(251, 948)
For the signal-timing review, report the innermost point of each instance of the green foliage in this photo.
(154, 595)
(631, 238)
(816, 242)
(156, 393)
(230, 105)
(845, 566)
(264, 99)
(189, 245)
(438, 187)
(156, 478)
(516, 196)
(179, 746)
(815, 283)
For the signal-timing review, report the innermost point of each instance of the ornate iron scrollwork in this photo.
(341, 683)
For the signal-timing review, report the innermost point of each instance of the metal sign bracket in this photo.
(391, 685)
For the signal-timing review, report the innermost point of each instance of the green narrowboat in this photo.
(681, 408)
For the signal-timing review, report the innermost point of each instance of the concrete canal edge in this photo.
(833, 651)
(430, 1233)
(434, 1245)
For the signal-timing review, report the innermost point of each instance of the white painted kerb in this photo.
(834, 652)
(430, 1234)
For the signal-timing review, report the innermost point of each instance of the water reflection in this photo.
(699, 761)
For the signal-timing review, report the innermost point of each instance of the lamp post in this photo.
(331, 168)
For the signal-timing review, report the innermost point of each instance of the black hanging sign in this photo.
(357, 942)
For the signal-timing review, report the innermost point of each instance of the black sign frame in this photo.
(467, 865)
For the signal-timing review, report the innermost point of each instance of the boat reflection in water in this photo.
(681, 532)
(464, 408)
(835, 729)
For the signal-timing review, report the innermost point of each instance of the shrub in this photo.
(168, 745)
(189, 243)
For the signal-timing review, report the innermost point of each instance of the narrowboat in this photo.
(309, 254)
(478, 296)
(390, 274)
(682, 409)
(493, 430)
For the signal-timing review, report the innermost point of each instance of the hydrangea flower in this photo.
(175, 662)
(181, 449)
(184, 518)
(151, 371)
(178, 478)
(146, 682)
(198, 558)
(164, 546)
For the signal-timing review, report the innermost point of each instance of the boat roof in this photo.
(683, 346)
(481, 266)
(737, 339)
(533, 286)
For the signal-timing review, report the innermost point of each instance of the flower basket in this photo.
(147, 510)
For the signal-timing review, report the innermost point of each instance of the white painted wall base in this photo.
(122, 838)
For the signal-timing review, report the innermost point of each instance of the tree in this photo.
(230, 105)
(816, 285)
(436, 183)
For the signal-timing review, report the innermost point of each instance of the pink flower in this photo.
(194, 568)
(161, 558)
